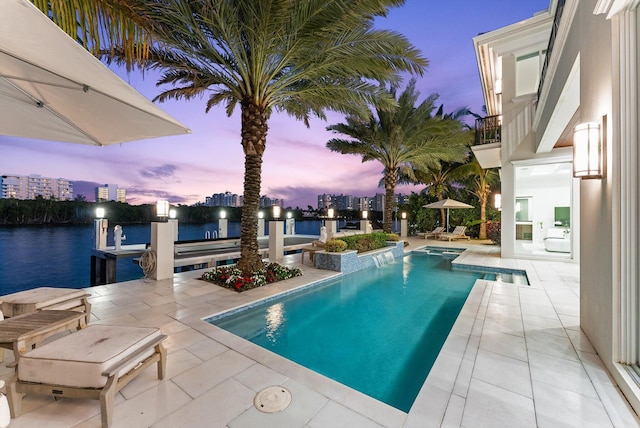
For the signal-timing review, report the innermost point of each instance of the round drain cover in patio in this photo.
(272, 399)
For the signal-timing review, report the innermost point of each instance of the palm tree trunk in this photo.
(483, 219)
(442, 217)
(254, 138)
(390, 181)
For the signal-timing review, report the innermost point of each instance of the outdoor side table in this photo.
(45, 298)
(23, 332)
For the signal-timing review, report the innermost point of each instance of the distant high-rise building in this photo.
(110, 192)
(226, 199)
(377, 202)
(324, 201)
(31, 186)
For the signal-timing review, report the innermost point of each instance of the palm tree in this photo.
(101, 26)
(482, 181)
(301, 57)
(400, 137)
(437, 179)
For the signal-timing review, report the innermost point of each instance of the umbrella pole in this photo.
(447, 220)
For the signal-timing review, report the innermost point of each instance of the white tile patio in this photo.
(516, 357)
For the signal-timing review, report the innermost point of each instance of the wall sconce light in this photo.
(223, 214)
(330, 213)
(173, 213)
(404, 215)
(99, 212)
(162, 209)
(276, 212)
(365, 214)
(588, 151)
(497, 201)
(260, 214)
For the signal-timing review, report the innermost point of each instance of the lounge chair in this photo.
(435, 233)
(95, 363)
(458, 233)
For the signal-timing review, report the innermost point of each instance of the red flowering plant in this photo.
(234, 278)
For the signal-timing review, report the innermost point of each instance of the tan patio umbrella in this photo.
(51, 88)
(448, 203)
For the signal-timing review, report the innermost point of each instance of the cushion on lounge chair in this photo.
(79, 359)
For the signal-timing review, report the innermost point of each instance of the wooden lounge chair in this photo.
(434, 233)
(458, 233)
(94, 363)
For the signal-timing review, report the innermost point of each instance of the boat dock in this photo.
(188, 255)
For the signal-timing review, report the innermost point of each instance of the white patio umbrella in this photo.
(448, 203)
(51, 88)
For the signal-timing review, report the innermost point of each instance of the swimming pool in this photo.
(378, 331)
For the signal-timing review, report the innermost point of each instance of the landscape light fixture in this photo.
(365, 214)
(588, 151)
(99, 212)
(276, 212)
(330, 212)
(404, 215)
(289, 214)
(162, 209)
(173, 213)
(223, 214)
(260, 214)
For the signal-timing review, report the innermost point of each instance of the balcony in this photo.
(488, 144)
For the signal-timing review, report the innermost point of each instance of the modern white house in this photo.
(565, 80)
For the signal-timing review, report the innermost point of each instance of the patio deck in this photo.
(515, 357)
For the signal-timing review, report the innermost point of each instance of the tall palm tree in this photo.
(100, 26)
(482, 181)
(400, 137)
(437, 179)
(302, 57)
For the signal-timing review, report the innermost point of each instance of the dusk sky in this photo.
(297, 166)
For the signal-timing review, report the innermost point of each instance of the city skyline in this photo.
(297, 166)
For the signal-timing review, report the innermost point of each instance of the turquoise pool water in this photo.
(378, 331)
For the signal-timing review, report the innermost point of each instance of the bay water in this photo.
(60, 255)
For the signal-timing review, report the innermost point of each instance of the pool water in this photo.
(378, 331)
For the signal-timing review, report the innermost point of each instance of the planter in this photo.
(350, 261)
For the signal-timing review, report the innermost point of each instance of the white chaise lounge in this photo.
(93, 363)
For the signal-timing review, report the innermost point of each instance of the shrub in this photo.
(394, 237)
(494, 231)
(366, 242)
(335, 246)
(232, 277)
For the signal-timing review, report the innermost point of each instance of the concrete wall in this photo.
(593, 35)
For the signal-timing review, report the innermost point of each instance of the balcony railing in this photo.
(488, 130)
(552, 39)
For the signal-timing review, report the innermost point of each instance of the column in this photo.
(276, 240)
(162, 235)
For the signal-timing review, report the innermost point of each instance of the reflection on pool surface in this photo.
(378, 331)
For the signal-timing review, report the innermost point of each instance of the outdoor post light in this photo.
(276, 236)
(173, 219)
(330, 212)
(260, 223)
(365, 214)
(290, 224)
(100, 226)
(588, 151)
(162, 209)
(223, 225)
(403, 225)
(497, 201)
